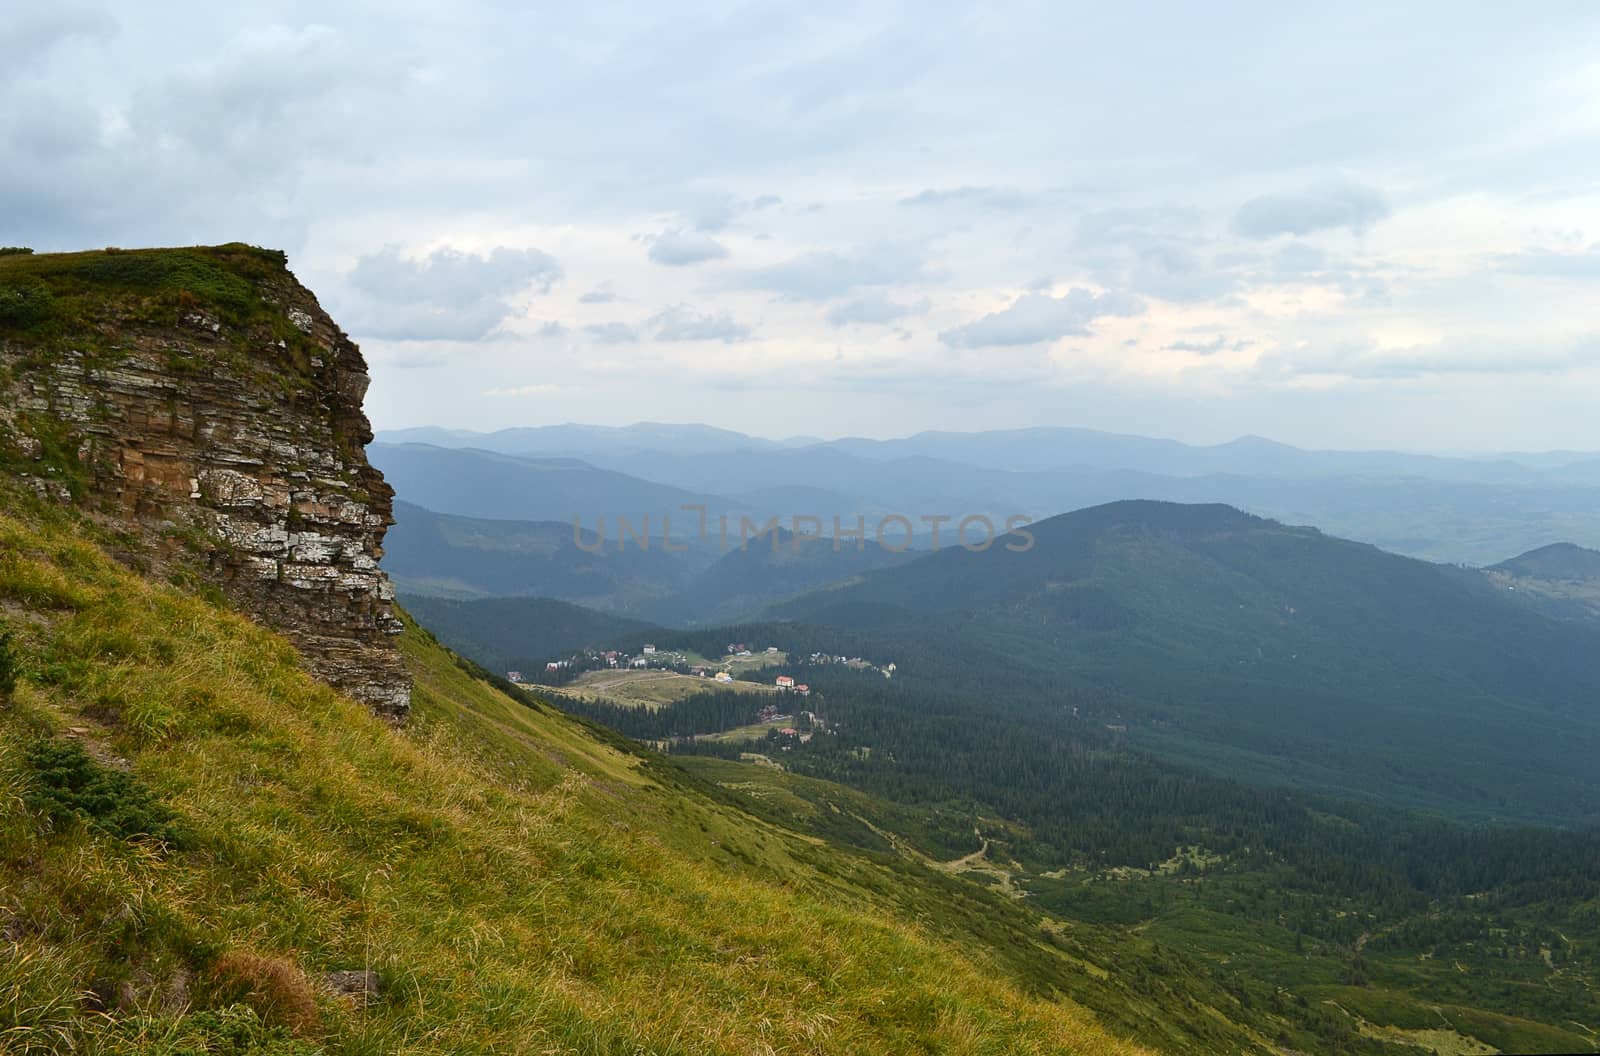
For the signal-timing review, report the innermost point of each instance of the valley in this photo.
(1032, 742)
(1170, 778)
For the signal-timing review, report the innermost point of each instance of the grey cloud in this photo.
(677, 249)
(1303, 212)
(26, 36)
(1174, 272)
(214, 142)
(1299, 258)
(822, 275)
(601, 294)
(1462, 356)
(445, 295)
(680, 323)
(873, 311)
(612, 333)
(1208, 348)
(273, 85)
(985, 197)
(715, 211)
(451, 277)
(1137, 227)
(1584, 264)
(1036, 317)
(1155, 252)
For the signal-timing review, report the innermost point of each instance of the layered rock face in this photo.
(204, 400)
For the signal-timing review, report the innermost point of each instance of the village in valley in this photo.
(655, 678)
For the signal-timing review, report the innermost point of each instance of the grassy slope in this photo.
(1131, 929)
(519, 884)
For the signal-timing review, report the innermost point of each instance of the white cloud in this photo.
(1208, 348)
(523, 390)
(1303, 212)
(873, 310)
(1368, 361)
(447, 294)
(677, 249)
(679, 323)
(612, 333)
(824, 274)
(1038, 317)
(1583, 264)
(983, 197)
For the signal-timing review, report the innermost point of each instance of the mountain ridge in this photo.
(1246, 642)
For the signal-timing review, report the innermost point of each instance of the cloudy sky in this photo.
(1347, 226)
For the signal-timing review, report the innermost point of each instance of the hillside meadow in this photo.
(197, 835)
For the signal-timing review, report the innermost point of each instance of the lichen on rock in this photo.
(203, 394)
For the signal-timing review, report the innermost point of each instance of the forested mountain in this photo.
(510, 634)
(450, 556)
(1559, 561)
(752, 576)
(697, 582)
(1249, 647)
(1561, 580)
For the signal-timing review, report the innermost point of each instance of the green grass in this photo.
(654, 688)
(519, 881)
(201, 311)
(44, 293)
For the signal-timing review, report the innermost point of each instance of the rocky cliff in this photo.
(202, 400)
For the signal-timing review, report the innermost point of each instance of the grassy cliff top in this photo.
(194, 833)
(44, 293)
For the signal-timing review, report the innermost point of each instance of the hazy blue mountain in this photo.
(1049, 448)
(475, 483)
(443, 555)
(1029, 449)
(1583, 472)
(435, 435)
(1365, 496)
(1445, 520)
(752, 577)
(451, 556)
(1272, 652)
(584, 441)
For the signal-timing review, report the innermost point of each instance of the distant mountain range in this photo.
(1033, 449)
(445, 556)
(477, 483)
(465, 557)
(584, 440)
(1463, 510)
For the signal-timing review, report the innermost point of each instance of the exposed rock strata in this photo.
(234, 443)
